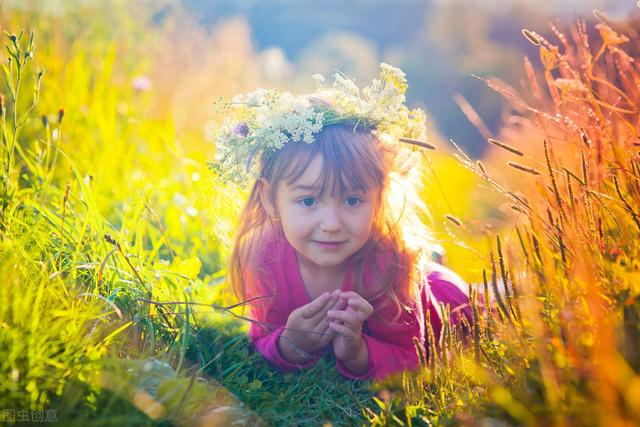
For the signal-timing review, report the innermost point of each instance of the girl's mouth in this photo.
(329, 245)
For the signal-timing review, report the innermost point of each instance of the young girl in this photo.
(323, 252)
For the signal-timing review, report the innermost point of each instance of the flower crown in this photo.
(266, 120)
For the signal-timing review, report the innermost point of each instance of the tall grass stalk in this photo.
(559, 341)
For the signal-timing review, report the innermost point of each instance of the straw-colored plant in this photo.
(556, 337)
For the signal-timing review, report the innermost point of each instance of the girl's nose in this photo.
(330, 221)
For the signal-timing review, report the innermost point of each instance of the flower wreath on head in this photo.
(266, 120)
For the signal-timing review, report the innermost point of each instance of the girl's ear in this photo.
(264, 192)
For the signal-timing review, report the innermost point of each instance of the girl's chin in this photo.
(325, 261)
(321, 259)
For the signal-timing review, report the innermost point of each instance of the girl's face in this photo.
(324, 229)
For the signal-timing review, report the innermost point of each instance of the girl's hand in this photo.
(307, 328)
(347, 323)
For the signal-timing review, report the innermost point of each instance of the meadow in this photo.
(114, 233)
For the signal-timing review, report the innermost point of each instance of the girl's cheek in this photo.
(361, 226)
(300, 223)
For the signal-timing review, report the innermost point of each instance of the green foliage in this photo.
(108, 241)
(557, 341)
(113, 237)
(311, 397)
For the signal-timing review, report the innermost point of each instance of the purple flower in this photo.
(241, 129)
(141, 83)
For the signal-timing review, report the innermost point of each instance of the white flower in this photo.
(346, 85)
(392, 71)
(270, 119)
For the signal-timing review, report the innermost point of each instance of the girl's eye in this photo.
(307, 202)
(352, 201)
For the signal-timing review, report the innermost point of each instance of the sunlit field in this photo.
(114, 231)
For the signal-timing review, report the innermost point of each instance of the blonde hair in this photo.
(354, 159)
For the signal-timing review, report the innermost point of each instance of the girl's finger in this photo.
(356, 300)
(321, 314)
(322, 326)
(361, 304)
(343, 330)
(350, 294)
(315, 306)
(340, 303)
(359, 315)
(327, 334)
(349, 318)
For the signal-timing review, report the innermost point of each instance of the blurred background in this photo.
(440, 44)
(149, 74)
(110, 213)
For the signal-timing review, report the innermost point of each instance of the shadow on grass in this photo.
(104, 408)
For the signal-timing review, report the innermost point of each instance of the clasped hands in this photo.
(334, 317)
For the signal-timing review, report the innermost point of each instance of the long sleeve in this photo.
(271, 278)
(268, 346)
(265, 337)
(445, 287)
(391, 344)
(391, 347)
(390, 341)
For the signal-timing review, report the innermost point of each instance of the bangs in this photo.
(350, 160)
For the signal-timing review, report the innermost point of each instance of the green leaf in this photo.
(380, 403)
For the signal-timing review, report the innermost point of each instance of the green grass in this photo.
(314, 396)
(113, 236)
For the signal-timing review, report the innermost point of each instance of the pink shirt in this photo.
(391, 346)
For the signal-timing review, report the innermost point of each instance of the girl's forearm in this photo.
(359, 364)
